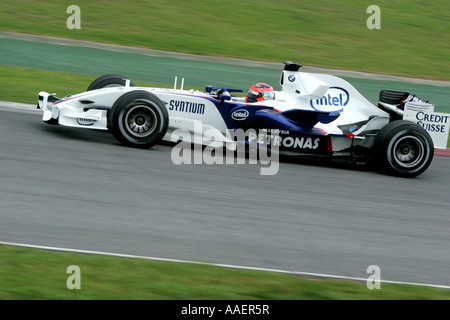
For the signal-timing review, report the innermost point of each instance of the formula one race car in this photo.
(313, 115)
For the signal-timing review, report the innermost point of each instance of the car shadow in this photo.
(79, 134)
(106, 137)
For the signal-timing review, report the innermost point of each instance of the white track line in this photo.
(299, 273)
(19, 107)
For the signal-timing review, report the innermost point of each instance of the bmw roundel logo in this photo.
(291, 78)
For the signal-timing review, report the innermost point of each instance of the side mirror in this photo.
(224, 96)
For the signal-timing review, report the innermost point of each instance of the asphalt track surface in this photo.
(80, 189)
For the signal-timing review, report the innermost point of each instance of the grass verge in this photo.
(413, 39)
(23, 84)
(28, 274)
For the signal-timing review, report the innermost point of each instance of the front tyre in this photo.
(109, 80)
(139, 119)
(403, 149)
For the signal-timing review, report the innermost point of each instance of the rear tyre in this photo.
(403, 149)
(109, 80)
(139, 119)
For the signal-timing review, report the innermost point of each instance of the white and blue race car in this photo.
(312, 115)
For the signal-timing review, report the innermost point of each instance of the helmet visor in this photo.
(268, 95)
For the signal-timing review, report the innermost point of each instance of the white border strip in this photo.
(19, 107)
(300, 273)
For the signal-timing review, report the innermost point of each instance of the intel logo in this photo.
(240, 114)
(333, 100)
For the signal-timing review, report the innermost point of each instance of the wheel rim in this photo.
(408, 151)
(141, 121)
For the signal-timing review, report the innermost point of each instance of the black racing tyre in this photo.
(403, 148)
(109, 80)
(392, 97)
(139, 119)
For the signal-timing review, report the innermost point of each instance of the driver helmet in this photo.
(260, 92)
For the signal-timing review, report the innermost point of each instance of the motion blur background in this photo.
(319, 219)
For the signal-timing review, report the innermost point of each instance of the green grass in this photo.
(413, 39)
(26, 83)
(40, 274)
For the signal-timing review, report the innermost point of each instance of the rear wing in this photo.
(393, 102)
(407, 106)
